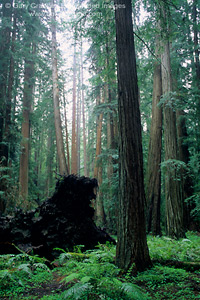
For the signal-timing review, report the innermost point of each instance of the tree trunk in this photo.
(173, 189)
(5, 106)
(66, 133)
(132, 244)
(50, 156)
(196, 43)
(5, 61)
(98, 144)
(27, 102)
(63, 168)
(100, 217)
(184, 155)
(9, 91)
(78, 127)
(99, 207)
(74, 138)
(197, 66)
(153, 189)
(83, 115)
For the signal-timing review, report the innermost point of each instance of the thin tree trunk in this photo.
(100, 216)
(132, 244)
(66, 133)
(83, 115)
(78, 124)
(50, 155)
(98, 141)
(153, 182)
(63, 168)
(9, 91)
(99, 208)
(74, 137)
(27, 102)
(98, 145)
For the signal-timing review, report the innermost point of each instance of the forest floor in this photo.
(93, 275)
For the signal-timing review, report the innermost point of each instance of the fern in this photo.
(77, 291)
(116, 289)
(97, 275)
(26, 268)
(7, 279)
(133, 292)
(71, 277)
(41, 266)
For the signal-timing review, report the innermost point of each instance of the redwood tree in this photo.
(153, 189)
(63, 169)
(173, 188)
(74, 157)
(132, 244)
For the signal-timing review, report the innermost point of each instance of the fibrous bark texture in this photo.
(153, 190)
(132, 244)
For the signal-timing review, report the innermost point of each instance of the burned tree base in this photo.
(63, 221)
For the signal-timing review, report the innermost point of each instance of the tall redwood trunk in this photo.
(66, 133)
(153, 182)
(132, 244)
(10, 91)
(98, 141)
(195, 56)
(27, 102)
(78, 128)
(5, 62)
(5, 107)
(99, 207)
(173, 188)
(83, 115)
(100, 217)
(196, 42)
(187, 182)
(74, 138)
(63, 168)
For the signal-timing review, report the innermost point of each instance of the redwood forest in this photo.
(100, 149)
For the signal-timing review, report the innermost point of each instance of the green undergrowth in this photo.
(94, 275)
(165, 248)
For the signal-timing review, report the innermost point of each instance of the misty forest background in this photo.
(59, 114)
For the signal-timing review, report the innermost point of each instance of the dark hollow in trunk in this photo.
(64, 220)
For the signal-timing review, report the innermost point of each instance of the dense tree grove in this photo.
(77, 83)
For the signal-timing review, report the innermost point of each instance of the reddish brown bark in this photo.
(74, 138)
(132, 244)
(153, 183)
(173, 188)
(63, 168)
(83, 116)
(25, 131)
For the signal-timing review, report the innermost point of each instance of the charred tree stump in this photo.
(63, 221)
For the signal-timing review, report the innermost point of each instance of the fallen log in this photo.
(63, 221)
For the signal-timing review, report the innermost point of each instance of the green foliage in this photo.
(96, 276)
(175, 168)
(17, 271)
(165, 248)
(167, 283)
(93, 274)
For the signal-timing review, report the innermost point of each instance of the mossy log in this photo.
(62, 221)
